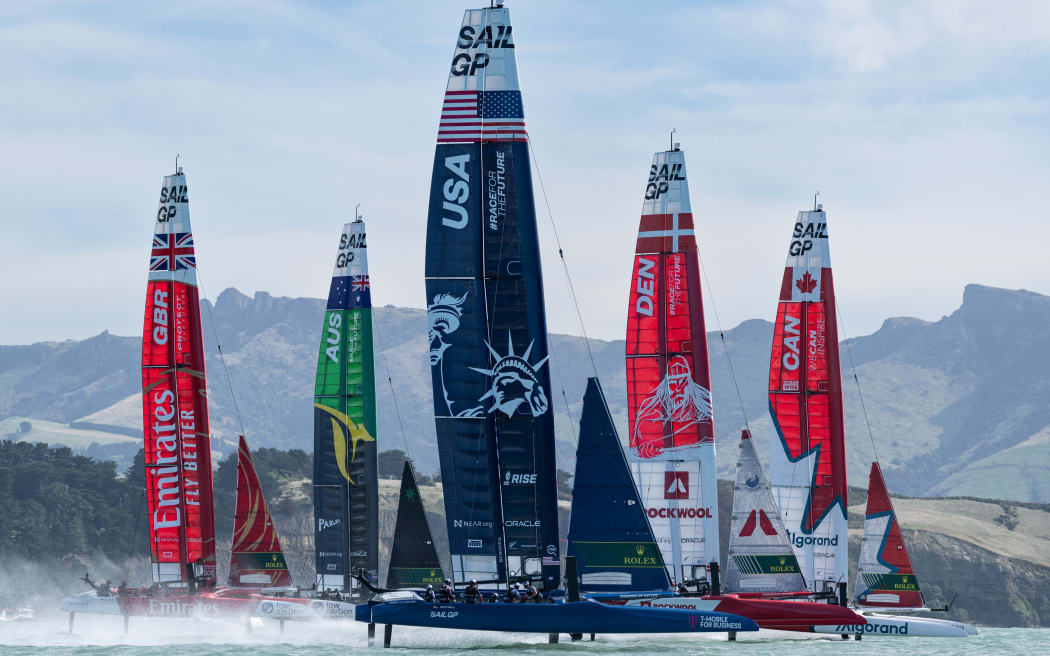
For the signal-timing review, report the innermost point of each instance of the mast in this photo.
(672, 447)
(609, 532)
(180, 512)
(487, 326)
(885, 576)
(760, 556)
(807, 454)
(414, 561)
(346, 497)
(256, 558)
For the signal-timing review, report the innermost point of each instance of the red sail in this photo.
(885, 577)
(256, 558)
(174, 402)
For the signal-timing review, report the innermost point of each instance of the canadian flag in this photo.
(676, 485)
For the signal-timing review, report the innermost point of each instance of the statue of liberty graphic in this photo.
(515, 382)
(677, 400)
(443, 317)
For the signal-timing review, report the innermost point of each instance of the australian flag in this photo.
(350, 292)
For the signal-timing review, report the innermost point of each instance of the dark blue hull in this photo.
(569, 617)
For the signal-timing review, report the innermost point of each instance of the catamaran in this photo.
(179, 503)
(488, 356)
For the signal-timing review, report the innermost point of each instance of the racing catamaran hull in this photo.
(781, 614)
(879, 624)
(569, 617)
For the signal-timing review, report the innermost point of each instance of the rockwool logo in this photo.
(676, 485)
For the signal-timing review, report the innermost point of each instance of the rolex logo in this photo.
(639, 549)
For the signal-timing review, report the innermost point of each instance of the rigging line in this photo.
(722, 338)
(135, 537)
(856, 381)
(390, 381)
(222, 358)
(561, 256)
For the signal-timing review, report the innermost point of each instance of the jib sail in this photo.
(413, 557)
(807, 454)
(174, 401)
(256, 559)
(760, 556)
(609, 532)
(487, 327)
(672, 447)
(346, 501)
(885, 577)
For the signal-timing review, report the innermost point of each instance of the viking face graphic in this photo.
(677, 399)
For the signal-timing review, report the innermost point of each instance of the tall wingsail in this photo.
(413, 557)
(346, 497)
(760, 556)
(488, 330)
(608, 530)
(885, 577)
(256, 558)
(180, 512)
(807, 454)
(672, 447)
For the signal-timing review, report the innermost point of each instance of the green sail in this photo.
(346, 504)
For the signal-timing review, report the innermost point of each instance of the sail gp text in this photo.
(492, 36)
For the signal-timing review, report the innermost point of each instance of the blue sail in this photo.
(487, 327)
(609, 532)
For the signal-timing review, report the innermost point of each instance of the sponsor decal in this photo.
(678, 513)
(444, 613)
(515, 382)
(804, 236)
(179, 608)
(324, 524)
(343, 426)
(518, 479)
(871, 627)
(817, 541)
(659, 179)
(762, 522)
(677, 401)
(792, 335)
(470, 523)
(512, 523)
(473, 544)
(497, 192)
(751, 481)
(645, 284)
(676, 485)
(470, 39)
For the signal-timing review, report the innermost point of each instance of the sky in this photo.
(924, 125)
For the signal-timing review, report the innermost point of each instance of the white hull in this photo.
(890, 625)
(304, 611)
(89, 602)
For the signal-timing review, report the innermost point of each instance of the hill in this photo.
(956, 407)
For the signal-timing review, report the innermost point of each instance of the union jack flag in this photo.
(360, 283)
(473, 116)
(172, 252)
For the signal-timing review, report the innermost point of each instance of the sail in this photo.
(346, 501)
(487, 327)
(807, 454)
(672, 447)
(180, 512)
(760, 556)
(885, 577)
(256, 558)
(609, 532)
(413, 558)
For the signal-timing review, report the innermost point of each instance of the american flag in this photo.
(172, 252)
(473, 116)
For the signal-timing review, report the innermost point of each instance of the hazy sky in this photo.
(924, 125)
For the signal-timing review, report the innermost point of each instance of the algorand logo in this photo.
(809, 540)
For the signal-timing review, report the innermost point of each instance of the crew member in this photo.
(681, 589)
(471, 593)
(531, 593)
(428, 594)
(447, 593)
(514, 593)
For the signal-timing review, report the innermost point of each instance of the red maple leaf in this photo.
(806, 283)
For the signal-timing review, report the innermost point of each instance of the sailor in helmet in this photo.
(471, 592)
(428, 593)
(447, 593)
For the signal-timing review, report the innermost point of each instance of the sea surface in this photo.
(104, 636)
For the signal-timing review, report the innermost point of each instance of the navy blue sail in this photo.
(488, 331)
(609, 532)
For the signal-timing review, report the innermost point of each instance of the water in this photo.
(104, 636)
